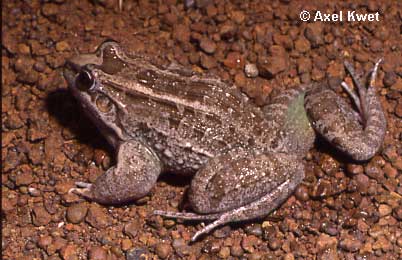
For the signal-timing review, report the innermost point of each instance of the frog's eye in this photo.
(104, 104)
(84, 80)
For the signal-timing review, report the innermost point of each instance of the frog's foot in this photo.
(83, 190)
(221, 218)
(359, 134)
(361, 97)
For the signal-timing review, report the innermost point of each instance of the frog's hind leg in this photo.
(358, 136)
(240, 187)
(133, 177)
(256, 209)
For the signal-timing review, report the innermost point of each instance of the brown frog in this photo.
(246, 159)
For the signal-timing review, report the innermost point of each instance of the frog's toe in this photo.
(186, 215)
(84, 190)
(82, 184)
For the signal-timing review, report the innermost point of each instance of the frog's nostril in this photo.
(84, 81)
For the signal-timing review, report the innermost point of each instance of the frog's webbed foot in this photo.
(260, 184)
(360, 98)
(358, 134)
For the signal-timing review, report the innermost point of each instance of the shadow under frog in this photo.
(246, 160)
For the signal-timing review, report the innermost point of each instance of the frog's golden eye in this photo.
(84, 81)
(104, 104)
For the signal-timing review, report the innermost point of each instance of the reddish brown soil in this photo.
(341, 211)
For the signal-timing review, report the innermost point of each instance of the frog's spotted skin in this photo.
(247, 160)
(343, 130)
(332, 118)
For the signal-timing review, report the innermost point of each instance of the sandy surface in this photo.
(341, 211)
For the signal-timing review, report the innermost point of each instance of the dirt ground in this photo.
(342, 210)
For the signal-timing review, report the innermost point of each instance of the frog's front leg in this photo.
(240, 186)
(360, 136)
(135, 174)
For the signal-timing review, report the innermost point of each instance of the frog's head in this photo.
(90, 80)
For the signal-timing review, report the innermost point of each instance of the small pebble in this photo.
(163, 250)
(76, 213)
(97, 253)
(207, 45)
(251, 70)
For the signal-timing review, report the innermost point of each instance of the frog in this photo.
(245, 160)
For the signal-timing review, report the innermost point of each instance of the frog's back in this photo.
(188, 119)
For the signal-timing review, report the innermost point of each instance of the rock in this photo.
(97, 217)
(283, 40)
(398, 213)
(97, 253)
(45, 241)
(251, 70)
(24, 49)
(383, 244)
(224, 252)
(163, 250)
(361, 56)
(336, 70)
(390, 78)
(40, 217)
(222, 232)
(384, 210)
(302, 45)
(69, 252)
(350, 244)
(62, 46)
(24, 178)
(274, 244)
(289, 256)
(234, 60)
(398, 109)
(376, 45)
(249, 243)
(314, 33)
(236, 251)
(137, 254)
(76, 213)
(301, 193)
(207, 45)
(126, 244)
(49, 9)
(37, 129)
(238, 16)
(271, 65)
(25, 73)
(304, 65)
(228, 31)
(324, 242)
(208, 62)
(181, 33)
(131, 229)
(181, 247)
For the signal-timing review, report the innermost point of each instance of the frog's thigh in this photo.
(134, 175)
(338, 123)
(237, 180)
